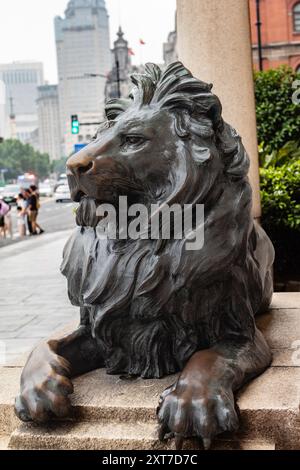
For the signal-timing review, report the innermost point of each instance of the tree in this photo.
(278, 118)
(18, 158)
(59, 166)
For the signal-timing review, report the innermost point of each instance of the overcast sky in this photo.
(27, 32)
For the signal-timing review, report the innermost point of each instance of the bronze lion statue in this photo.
(148, 307)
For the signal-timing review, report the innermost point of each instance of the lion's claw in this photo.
(200, 413)
(45, 389)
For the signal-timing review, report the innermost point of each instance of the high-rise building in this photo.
(84, 60)
(280, 32)
(49, 121)
(21, 80)
(4, 120)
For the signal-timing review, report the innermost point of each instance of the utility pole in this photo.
(12, 118)
(118, 77)
(11, 114)
(259, 43)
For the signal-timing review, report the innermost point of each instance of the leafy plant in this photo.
(278, 118)
(287, 154)
(280, 195)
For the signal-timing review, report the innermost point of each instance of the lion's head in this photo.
(167, 143)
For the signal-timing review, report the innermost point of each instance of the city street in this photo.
(53, 217)
(33, 295)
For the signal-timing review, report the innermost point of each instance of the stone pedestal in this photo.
(214, 43)
(110, 413)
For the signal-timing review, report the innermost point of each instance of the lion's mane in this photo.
(151, 306)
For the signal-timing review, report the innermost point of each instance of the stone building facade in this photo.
(118, 81)
(49, 122)
(280, 31)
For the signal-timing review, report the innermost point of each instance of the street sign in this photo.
(78, 147)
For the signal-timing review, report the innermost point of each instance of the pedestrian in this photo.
(21, 217)
(33, 207)
(8, 223)
(26, 194)
(4, 209)
(2, 226)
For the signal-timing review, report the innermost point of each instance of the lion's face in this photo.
(135, 156)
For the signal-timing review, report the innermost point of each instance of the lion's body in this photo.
(152, 307)
(150, 312)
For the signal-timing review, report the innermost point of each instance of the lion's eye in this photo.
(133, 140)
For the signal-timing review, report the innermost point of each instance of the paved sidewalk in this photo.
(33, 294)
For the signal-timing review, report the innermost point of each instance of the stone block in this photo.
(111, 413)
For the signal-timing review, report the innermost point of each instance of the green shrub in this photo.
(287, 154)
(280, 195)
(278, 118)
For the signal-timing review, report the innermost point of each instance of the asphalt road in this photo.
(53, 217)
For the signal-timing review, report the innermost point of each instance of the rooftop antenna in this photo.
(119, 12)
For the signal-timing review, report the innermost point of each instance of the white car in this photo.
(45, 190)
(62, 193)
(10, 193)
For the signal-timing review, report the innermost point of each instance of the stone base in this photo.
(110, 413)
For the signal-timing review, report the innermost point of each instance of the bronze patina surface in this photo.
(151, 307)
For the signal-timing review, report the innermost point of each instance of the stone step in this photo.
(269, 405)
(4, 441)
(112, 436)
(269, 410)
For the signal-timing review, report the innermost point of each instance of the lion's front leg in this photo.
(201, 403)
(46, 378)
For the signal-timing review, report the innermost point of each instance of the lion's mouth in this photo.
(78, 195)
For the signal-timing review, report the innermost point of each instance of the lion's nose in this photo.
(80, 163)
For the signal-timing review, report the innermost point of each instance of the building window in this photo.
(296, 16)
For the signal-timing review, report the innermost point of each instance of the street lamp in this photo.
(118, 80)
(259, 43)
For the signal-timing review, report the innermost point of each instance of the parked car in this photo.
(62, 193)
(10, 193)
(45, 190)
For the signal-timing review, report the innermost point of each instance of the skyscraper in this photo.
(49, 122)
(84, 60)
(4, 123)
(21, 80)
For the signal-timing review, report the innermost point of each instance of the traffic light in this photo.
(75, 124)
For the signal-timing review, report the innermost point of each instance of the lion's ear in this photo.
(182, 122)
(235, 157)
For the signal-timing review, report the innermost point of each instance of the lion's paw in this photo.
(45, 391)
(188, 412)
